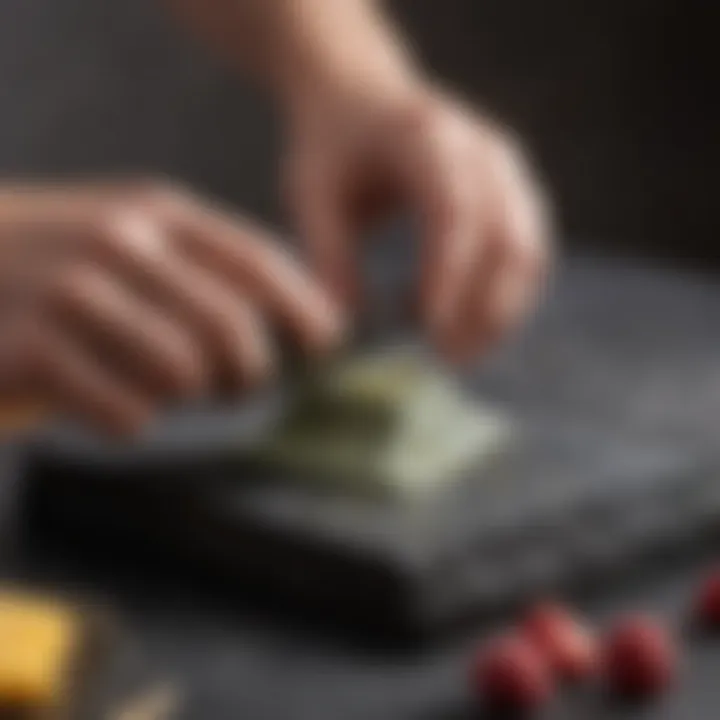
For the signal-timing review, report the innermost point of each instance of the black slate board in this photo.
(569, 505)
(620, 351)
(611, 385)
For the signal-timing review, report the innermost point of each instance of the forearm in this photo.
(297, 45)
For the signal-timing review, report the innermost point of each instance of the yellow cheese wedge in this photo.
(39, 639)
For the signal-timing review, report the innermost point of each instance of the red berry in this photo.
(511, 674)
(639, 657)
(569, 648)
(707, 604)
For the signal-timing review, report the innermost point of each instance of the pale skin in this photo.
(119, 298)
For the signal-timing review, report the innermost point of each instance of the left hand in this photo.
(357, 153)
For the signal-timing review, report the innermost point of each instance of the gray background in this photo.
(615, 97)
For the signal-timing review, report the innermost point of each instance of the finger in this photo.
(224, 320)
(128, 333)
(510, 275)
(219, 314)
(249, 259)
(463, 335)
(498, 305)
(513, 255)
(452, 231)
(325, 227)
(442, 181)
(59, 371)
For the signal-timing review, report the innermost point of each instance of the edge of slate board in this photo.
(344, 584)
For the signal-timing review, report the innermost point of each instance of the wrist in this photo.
(348, 53)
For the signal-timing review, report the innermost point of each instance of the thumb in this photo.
(450, 234)
(326, 232)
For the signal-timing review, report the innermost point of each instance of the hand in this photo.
(115, 300)
(360, 151)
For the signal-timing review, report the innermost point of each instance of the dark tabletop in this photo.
(616, 346)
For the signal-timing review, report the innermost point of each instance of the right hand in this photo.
(116, 300)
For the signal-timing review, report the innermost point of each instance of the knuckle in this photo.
(148, 198)
(126, 227)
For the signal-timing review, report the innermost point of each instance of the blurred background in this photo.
(616, 100)
(614, 96)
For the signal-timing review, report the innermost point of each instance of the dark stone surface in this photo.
(618, 345)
